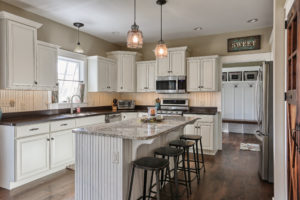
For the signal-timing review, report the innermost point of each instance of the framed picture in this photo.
(244, 43)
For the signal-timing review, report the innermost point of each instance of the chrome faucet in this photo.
(71, 108)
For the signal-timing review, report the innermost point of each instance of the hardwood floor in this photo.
(230, 175)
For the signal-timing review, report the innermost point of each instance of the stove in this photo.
(173, 107)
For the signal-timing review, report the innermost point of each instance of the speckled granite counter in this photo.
(135, 129)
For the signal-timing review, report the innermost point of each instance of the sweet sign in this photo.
(244, 43)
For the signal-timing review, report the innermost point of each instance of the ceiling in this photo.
(111, 19)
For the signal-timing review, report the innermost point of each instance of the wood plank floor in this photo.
(230, 175)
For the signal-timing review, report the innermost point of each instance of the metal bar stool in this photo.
(186, 145)
(196, 139)
(175, 154)
(149, 164)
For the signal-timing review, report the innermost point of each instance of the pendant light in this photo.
(135, 36)
(161, 50)
(78, 48)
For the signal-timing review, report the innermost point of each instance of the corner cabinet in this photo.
(126, 69)
(18, 38)
(174, 64)
(146, 76)
(46, 70)
(102, 74)
(203, 74)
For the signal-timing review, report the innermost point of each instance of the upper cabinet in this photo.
(18, 38)
(174, 64)
(46, 70)
(126, 69)
(102, 74)
(146, 76)
(203, 74)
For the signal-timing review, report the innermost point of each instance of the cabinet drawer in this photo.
(90, 120)
(32, 129)
(202, 118)
(62, 125)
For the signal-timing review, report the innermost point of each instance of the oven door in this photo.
(167, 84)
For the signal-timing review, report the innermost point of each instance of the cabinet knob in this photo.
(235, 86)
(121, 88)
(108, 86)
(57, 84)
(35, 82)
(52, 138)
(48, 139)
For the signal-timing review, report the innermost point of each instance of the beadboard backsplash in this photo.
(21, 101)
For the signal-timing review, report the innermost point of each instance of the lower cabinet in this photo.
(62, 148)
(206, 126)
(32, 156)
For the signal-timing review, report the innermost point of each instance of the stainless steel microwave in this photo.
(171, 84)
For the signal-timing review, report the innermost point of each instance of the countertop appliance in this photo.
(126, 104)
(264, 109)
(171, 107)
(113, 118)
(171, 84)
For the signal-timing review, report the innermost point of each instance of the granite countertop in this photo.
(135, 129)
(26, 118)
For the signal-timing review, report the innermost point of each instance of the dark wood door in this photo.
(293, 104)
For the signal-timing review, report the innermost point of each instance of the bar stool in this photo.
(149, 164)
(175, 154)
(196, 139)
(186, 145)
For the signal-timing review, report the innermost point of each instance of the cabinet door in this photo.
(142, 77)
(112, 75)
(206, 131)
(163, 67)
(62, 148)
(22, 55)
(208, 75)
(190, 129)
(128, 67)
(249, 101)
(32, 154)
(177, 63)
(46, 71)
(103, 74)
(228, 96)
(193, 76)
(151, 77)
(238, 101)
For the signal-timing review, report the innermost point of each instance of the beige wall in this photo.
(213, 44)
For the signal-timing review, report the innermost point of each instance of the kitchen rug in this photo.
(249, 147)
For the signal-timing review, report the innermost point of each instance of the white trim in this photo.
(146, 62)
(203, 57)
(288, 5)
(101, 58)
(12, 17)
(48, 44)
(70, 54)
(246, 58)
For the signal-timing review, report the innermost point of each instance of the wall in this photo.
(213, 44)
(65, 37)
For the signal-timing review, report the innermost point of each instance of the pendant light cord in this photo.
(161, 22)
(134, 11)
(78, 36)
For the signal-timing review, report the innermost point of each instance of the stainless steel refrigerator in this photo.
(264, 109)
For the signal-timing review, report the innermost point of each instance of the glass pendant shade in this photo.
(135, 38)
(78, 48)
(161, 50)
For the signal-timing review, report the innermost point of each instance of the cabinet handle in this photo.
(52, 138)
(48, 139)
(121, 88)
(34, 129)
(35, 82)
(108, 86)
(56, 84)
(64, 125)
(235, 86)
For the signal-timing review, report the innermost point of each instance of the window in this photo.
(70, 79)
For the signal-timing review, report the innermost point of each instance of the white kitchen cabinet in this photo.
(126, 69)
(146, 76)
(46, 70)
(174, 64)
(18, 52)
(238, 101)
(228, 99)
(207, 127)
(32, 156)
(203, 74)
(129, 115)
(249, 101)
(62, 148)
(102, 74)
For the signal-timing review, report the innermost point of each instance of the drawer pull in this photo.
(52, 138)
(33, 129)
(64, 125)
(48, 139)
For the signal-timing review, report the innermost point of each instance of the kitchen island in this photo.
(104, 153)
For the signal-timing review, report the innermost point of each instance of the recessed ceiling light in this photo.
(198, 28)
(252, 20)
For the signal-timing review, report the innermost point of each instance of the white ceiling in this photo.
(111, 19)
